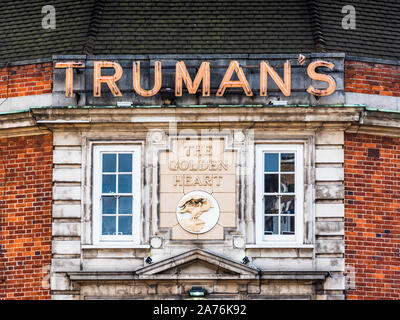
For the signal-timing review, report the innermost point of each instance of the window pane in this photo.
(109, 162)
(287, 205)
(109, 183)
(108, 227)
(125, 183)
(271, 162)
(125, 162)
(271, 225)
(271, 205)
(125, 224)
(271, 183)
(287, 162)
(109, 205)
(287, 183)
(287, 225)
(125, 205)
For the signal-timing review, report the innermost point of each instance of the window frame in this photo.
(260, 150)
(98, 150)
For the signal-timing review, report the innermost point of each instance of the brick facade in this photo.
(372, 216)
(372, 78)
(26, 197)
(372, 188)
(26, 80)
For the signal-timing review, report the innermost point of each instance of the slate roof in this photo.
(204, 26)
(377, 32)
(23, 38)
(198, 26)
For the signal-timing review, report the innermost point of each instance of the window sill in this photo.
(116, 245)
(284, 245)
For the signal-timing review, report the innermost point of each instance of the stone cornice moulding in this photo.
(350, 119)
(20, 124)
(87, 276)
(230, 270)
(375, 130)
(195, 255)
(206, 116)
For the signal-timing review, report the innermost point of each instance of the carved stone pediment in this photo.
(198, 264)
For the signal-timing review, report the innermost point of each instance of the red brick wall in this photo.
(372, 216)
(372, 78)
(25, 216)
(33, 79)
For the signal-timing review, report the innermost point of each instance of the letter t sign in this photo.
(69, 75)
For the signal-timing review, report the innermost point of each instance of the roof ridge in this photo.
(95, 20)
(316, 26)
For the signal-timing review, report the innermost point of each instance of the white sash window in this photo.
(116, 193)
(279, 193)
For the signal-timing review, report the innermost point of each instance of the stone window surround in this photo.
(89, 236)
(136, 191)
(299, 190)
(307, 141)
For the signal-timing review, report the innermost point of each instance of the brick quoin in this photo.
(372, 78)
(26, 80)
(25, 220)
(372, 216)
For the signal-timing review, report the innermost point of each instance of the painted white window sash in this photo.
(261, 149)
(98, 150)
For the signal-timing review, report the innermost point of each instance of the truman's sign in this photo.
(197, 79)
